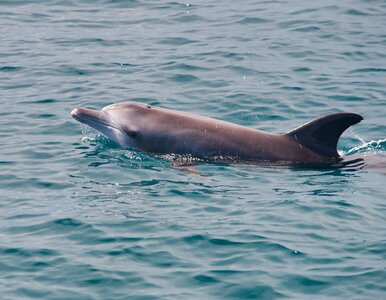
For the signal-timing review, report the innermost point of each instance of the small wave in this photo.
(10, 69)
(369, 147)
(177, 41)
(183, 78)
(369, 70)
(252, 20)
(180, 159)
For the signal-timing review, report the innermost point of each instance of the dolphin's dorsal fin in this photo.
(322, 134)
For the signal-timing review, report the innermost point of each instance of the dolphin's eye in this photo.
(131, 133)
(148, 106)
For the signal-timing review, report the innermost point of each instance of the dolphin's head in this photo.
(116, 121)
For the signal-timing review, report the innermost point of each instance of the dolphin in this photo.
(164, 131)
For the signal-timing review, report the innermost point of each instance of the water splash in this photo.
(373, 147)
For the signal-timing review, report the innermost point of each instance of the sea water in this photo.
(82, 218)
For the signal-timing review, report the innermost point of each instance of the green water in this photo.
(82, 218)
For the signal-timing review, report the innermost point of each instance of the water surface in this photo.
(82, 218)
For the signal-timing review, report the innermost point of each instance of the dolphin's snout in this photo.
(74, 112)
(102, 121)
(91, 117)
(80, 113)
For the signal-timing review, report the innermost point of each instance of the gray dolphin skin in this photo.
(163, 131)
